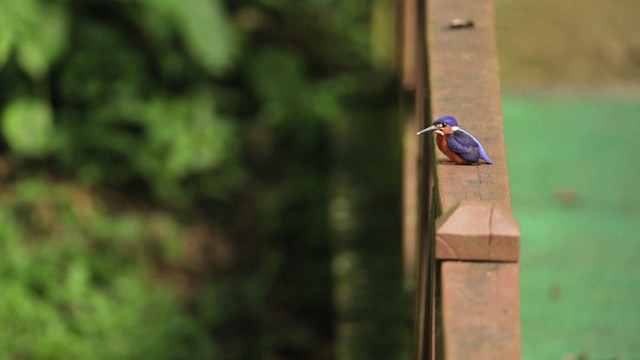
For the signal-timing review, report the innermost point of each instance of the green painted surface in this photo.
(575, 174)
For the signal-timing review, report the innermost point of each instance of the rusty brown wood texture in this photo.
(479, 310)
(477, 230)
(475, 237)
(408, 39)
(408, 42)
(418, 179)
(464, 83)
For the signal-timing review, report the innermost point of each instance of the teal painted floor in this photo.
(575, 178)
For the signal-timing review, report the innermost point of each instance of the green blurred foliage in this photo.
(28, 127)
(36, 31)
(60, 300)
(204, 111)
(133, 87)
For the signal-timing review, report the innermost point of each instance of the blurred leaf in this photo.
(207, 139)
(76, 280)
(45, 42)
(38, 30)
(184, 136)
(53, 32)
(203, 24)
(6, 43)
(32, 59)
(27, 126)
(278, 77)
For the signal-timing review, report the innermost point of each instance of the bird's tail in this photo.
(486, 158)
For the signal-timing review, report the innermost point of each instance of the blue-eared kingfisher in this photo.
(457, 143)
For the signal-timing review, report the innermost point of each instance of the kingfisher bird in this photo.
(457, 143)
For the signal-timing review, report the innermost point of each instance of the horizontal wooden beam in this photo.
(479, 296)
(464, 83)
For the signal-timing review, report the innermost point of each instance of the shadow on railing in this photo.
(461, 241)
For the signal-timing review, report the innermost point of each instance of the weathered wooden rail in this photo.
(461, 241)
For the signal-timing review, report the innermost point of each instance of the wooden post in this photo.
(476, 239)
(480, 311)
(418, 216)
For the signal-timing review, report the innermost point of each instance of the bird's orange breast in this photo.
(441, 141)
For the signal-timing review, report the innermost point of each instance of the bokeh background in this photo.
(210, 179)
(571, 103)
(168, 169)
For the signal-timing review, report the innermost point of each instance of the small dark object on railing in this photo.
(459, 23)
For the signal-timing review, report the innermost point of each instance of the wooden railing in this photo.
(461, 241)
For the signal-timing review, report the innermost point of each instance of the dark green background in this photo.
(210, 179)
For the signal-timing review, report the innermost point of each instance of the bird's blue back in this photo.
(467, 147)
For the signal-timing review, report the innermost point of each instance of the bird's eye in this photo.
(444, 124)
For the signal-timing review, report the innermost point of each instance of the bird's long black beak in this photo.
(430, 128)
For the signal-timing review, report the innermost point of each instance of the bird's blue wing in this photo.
(467, 147)
(463, 145)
